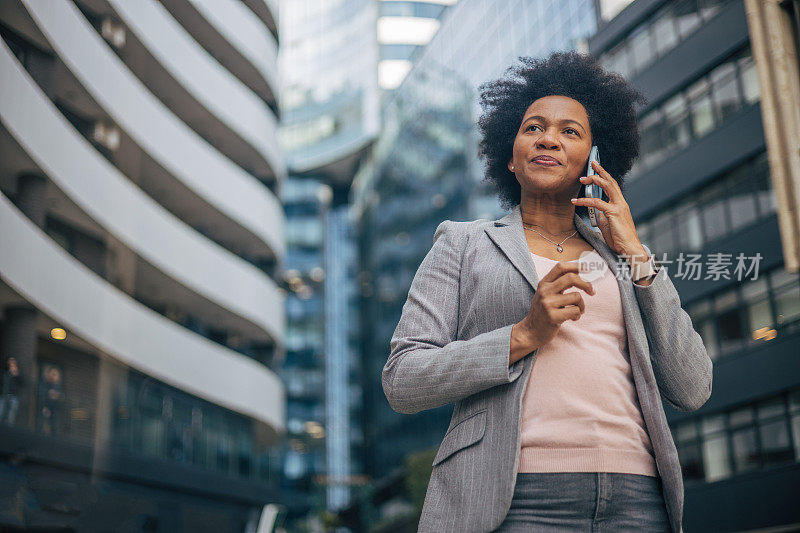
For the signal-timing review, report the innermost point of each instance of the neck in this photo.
(547, 214)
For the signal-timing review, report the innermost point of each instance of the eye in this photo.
(572, 130)
(531, 126)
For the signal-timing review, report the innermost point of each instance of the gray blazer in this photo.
(452, 345)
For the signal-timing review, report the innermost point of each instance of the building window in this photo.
(774, 432)
(676, 128)
(747, 438)
(686, 440)
(741, 198)
(756, 311)
(744, 440)
(787, 296)
(726, 90)
(687, 17)
(696, 111)
(689, 227)
(716, 456)
(735, 200)
(665, 32)
(642, 49)
(658, 34)
(758, 308)
(730, 323)
(749, 75)
(702, 110)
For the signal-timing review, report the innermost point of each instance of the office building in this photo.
(141, 236)
(703, 200)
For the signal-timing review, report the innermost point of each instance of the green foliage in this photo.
(418, 468)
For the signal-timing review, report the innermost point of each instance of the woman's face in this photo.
(555, 128)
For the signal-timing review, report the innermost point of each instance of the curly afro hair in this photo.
(607, 97)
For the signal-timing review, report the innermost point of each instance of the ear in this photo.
(509, 166)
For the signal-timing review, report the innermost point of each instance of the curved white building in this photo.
(141, 236)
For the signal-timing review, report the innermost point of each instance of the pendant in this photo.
(560, 249)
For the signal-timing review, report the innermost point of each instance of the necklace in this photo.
(558, 244)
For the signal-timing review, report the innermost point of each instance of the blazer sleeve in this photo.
(427, 367)
(682, 367)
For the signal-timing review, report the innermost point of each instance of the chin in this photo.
(548, 181)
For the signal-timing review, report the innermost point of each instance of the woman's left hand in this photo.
(613, 217)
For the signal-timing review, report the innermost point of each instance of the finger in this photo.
(571, 312)
(569, 298)
(602, 183)
(597, 203)
(560, 268)
(609, 185)
(571, 280)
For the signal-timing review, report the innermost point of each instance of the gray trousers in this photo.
(586, 502)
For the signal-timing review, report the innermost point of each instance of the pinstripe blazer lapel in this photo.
(509, 235)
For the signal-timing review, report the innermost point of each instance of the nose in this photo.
(546, 140)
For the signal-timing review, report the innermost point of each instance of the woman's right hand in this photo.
(550, 308)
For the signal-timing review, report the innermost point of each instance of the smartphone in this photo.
(592, 190)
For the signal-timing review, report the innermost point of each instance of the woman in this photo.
(557, 372)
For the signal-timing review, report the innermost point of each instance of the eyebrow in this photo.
(564, 121)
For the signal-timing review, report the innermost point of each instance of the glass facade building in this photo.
(330, 99)
(701, 190)
(141, 318)
(330, 115)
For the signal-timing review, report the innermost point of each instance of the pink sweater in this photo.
(580, 411)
